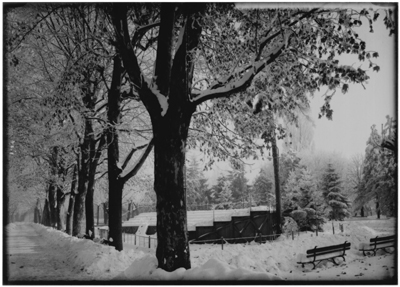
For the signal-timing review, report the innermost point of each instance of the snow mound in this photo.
(11, 226)
(84, 255)
(213, 269)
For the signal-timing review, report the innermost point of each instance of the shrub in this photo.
(307, 219)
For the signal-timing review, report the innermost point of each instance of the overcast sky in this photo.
(355, 112)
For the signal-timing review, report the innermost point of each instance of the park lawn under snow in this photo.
(274, 260)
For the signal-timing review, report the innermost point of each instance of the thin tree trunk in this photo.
(60, 202)
(129, 210)
(53, 204)
(70, 213)
(36, 218)
(105, 211)
(377, 207)
(46, 214)
(83, 179)
(89, 210)
(95, 154)
(71, 201)
(98, 214)
(275, 157)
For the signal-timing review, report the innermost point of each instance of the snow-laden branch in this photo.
(230, 87)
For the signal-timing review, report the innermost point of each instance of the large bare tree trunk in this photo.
(115, 186)
(169, 184)
(173, 77)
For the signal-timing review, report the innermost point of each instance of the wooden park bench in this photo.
(378, 243)
(316, 255)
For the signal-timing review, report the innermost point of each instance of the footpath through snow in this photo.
(38, 253)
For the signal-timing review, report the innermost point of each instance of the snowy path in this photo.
(29, 257)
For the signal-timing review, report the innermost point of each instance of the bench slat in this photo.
(333, 247)
(378, 239)
(328, 252)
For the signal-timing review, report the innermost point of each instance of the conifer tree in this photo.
(225, 200)
(262, 189)
(335, 200)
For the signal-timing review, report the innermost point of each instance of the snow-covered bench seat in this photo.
(377, 243)
(316, 255)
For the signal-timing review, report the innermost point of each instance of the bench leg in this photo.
(334, 262)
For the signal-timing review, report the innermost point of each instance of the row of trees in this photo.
(85, 79)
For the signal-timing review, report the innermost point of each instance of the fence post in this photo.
(135, 239)
(333, 228)
(260, 237)
(222, 243)
(316, 231)
(149, 242)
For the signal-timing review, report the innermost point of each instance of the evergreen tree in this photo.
(302, 200)
(192, 181)
(287, 163)
(225, 199)
(336, 202)
(196, 185)
(216, 190)
(262, 189)
(238, 182)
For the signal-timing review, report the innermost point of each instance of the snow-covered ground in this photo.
(81, 259)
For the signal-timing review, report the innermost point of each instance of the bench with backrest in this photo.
(377, 243)
(316, 255)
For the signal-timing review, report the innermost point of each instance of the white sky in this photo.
(355, 112)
